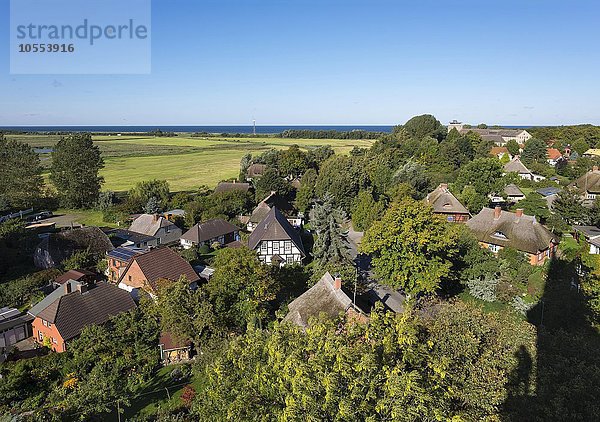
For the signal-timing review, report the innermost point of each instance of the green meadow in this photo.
(186, 162)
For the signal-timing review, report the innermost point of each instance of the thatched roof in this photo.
(232, 186)
(444, 202)
(513, 190)
(589, 182)
(516, 166)
(508, 229)
(321, 298)
(59, 246)
(210, 229)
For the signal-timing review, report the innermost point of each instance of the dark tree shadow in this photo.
(566, 370)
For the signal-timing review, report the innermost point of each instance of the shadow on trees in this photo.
(561, 383)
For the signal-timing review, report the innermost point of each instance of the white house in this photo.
(276, 241)
(516, 166)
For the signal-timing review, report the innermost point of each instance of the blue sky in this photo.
(227, 62)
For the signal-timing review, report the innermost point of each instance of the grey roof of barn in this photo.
(589, 182)
(55, 294)
(232, 186)
(516, 166)
(275, 227)
(549, 191)
(523, 233)
(320, 298)
(59, 246)
(444, 202)
(149, 224)
(513, 190)
(71, 312)
(208, 230)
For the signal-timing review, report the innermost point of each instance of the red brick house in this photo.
(62, 315)
(118, 259)
(144, 271)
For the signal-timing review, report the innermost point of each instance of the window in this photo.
(288, 245)
(276, 247)
(263, 247)
(54, 340)
(40, 336)
(289, 259)
(129, 277)
(45, 323)
(494, 248)
(500, 235)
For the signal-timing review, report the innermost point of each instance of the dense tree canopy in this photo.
(410, 247)
(331, 245)
(21, 180)
(76, 162)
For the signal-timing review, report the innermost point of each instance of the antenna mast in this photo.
(254, 127)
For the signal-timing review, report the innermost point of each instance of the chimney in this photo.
(67, 287)
(155, 217)
(82, 288)
(497, 212)
(519, 212)
(595, 168)
(337, 282)
(444, 186)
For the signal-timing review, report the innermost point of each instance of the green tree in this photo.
(245, 163)
(240, 288)
(473, 200)
(534, 151)
(569, 206)
(410, 247)
(413, 174)
(271, 181)
(152, 206)
(343, 177)
(187, 314)
(306, 193)
(580, 145)
(513, 147)
(143, 191)
(534, 204)
(76, 162)
(424, 125)
(293, 161)
(366, 210)
(484, 174)
(331, 244)
(21, 181)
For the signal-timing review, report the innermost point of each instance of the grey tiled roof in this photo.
(208, 230)
(275, 227)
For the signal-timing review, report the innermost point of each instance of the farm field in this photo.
(186, 162)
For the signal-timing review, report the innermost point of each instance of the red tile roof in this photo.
(553, 153)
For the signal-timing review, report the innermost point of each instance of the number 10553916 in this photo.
(46, 48)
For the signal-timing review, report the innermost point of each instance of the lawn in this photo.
(185, 162)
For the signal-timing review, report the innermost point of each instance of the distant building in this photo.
(496, 229)
(589, 184)
(146, 271)
(445, 203)
(210, 231)
(263, 208)
(77, 275)
(276, 241)
(513, 193)
(232, 187)
(554, 156)
(500, 152)
(591, 234)
(592, 153)
(500, 136)
(61, 316)
(455, 124)
(172, 215)
(326, 297)
(157, 226)
(516, 166)
(255, 171)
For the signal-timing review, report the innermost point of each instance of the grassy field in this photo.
(186, 162)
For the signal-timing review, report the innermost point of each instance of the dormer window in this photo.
(500, 235)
